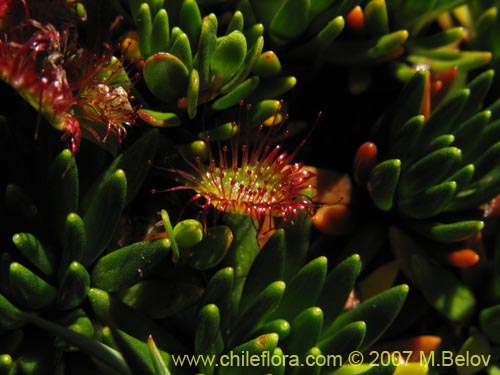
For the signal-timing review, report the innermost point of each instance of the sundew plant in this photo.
(281, 187)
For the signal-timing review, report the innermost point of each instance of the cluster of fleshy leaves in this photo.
(193, 63)
(68, 289)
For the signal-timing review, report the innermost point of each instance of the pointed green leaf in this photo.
(109, 310)
(63, 189)
(193, 92)
(304, 289)
(160, 39)
(429, 170)
(258, 312)
(306, 329)
(376, 19)
(239, 93)
(159, 364)
(208, 339)
(206, 49)
(267, 268)
(295, 11)
(29, 289)
(338, 286)
(144, 23)
(382, 183)
(442, 289)
(129, 265)
(103, 215)
(74, 242)
(41, 256)
(448, 232)
(377, 312)
(74, 287)
(190, 20)
(429, 202)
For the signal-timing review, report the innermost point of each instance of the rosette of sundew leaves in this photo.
(192, 62)
(58, 243)
(398, 32)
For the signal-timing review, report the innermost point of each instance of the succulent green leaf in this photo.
(218, 292)
(38, 254)
(134, 352)
(206, 49)
(10, 316)
(345, 341)
(229, 54)
(63, 189)
(442, 289)
(383, 182)
(304, 289)
(489, 321)
(404, 139)
(159, 119)
(74, 287)
(315, 353)
(170, 233)
(107, 355)
(443, 118)
(182, 50)
(273, 88)
(223, 132)
(470, 133)
(30, 290)
(264, 110)
(212, 249)
(156, 357)
(208, 338)
(387, 44)
(279, 326)
(111, 311)
(438, 40)
(429, 202)
(258, 312)
(166, 76)
(74, 242)
(239, 93)
(241, 255)
(487, 163)
(409, 102)
(160, 299)
(6, 365)
(463, 176)
(160, 38)
(306, 329)
(377, 312)
(129, 265)
(429, 170)
(267, 268)
(246, 67)
(190, 20)
(103, 215)
(338, 285)
(264, 343)
(376, 18)
(144, 23)
(188, 233)
(236, 23)
(295, 11)
(268, 65)
(193, 93)
(476, 345)
(448, 232)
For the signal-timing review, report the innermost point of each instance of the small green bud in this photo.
(188, 233)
